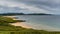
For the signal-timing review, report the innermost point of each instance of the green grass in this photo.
(22, 32)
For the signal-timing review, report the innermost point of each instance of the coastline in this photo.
(22, 24)
(25, 25)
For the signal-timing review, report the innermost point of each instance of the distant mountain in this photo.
(39, 14)
(12, 14)
(25, 14)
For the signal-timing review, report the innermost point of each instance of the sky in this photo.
(30, 6)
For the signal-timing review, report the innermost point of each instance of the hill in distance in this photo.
(25, 14)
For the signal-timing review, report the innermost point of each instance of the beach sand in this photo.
(22, 24)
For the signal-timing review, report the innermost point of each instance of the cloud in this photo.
(32, 6)
(53, 6)
(25, 8)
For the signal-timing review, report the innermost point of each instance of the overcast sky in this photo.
(30, 6)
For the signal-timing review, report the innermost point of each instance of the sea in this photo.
(41, 22)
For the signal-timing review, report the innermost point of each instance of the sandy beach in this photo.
(22, 24)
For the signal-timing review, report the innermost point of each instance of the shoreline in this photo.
(25, 25)
(22, 24)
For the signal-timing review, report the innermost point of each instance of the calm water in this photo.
(41, 22)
